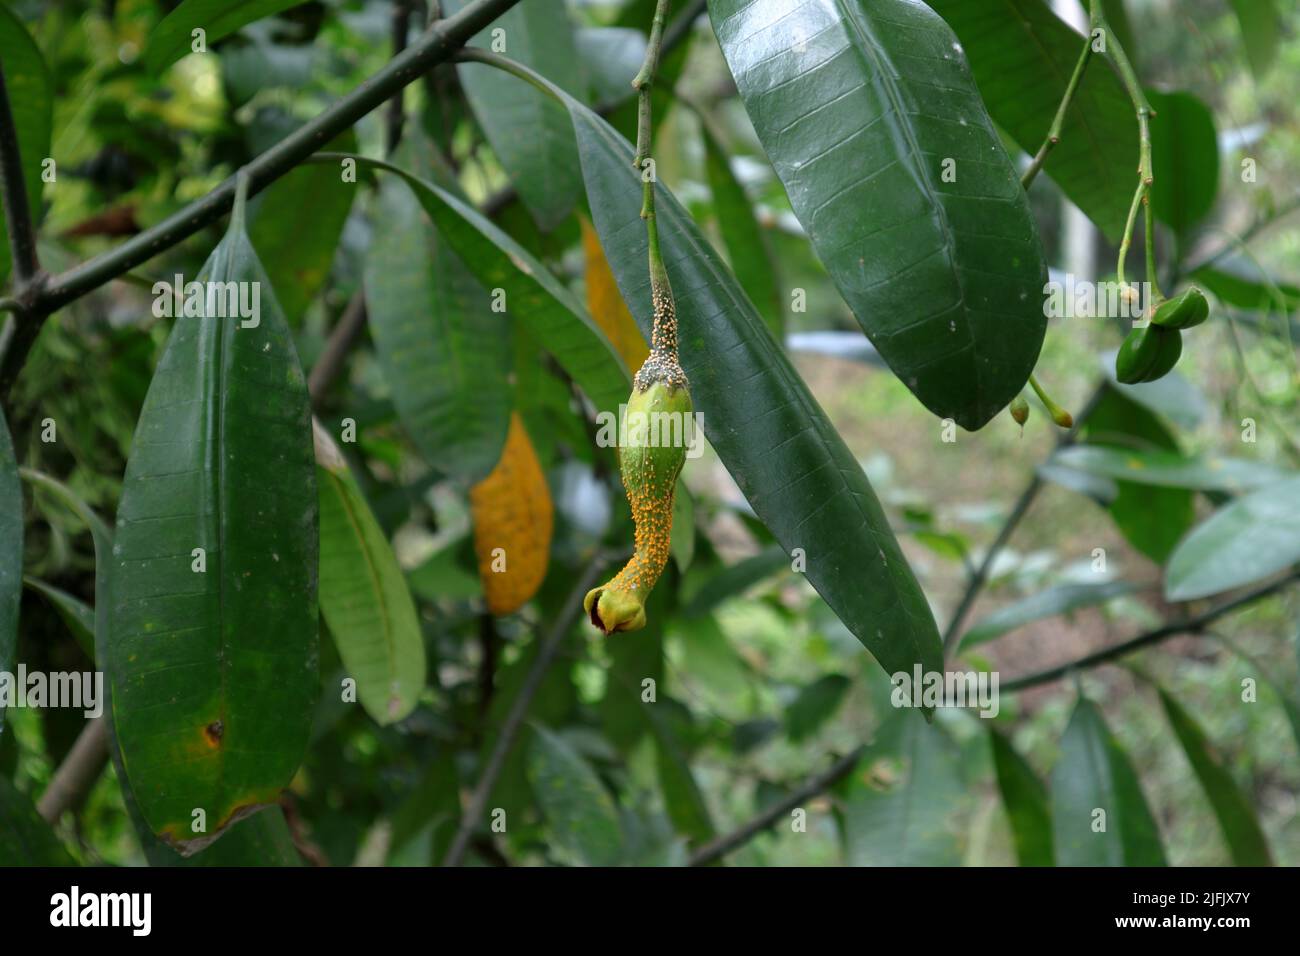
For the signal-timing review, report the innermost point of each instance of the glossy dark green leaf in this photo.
(363, 595)
(816, 704)
(1185, 159)
(1025, 800)
(582, 817)
(1057, 599)
(26, 839)
(214, 672)
(11, 553)
(173, 37)
(907, 799)
(748, 251)
(1246, 540)
(873, 123)
(528, 130)
(444, 352)
(1169, 470)
(1261, 28)
(769, 431)
(296, 229)
(31, 98)
(533, 296)
(1092, 775)
(1022, 56)
(1236, 816)
(74, 612)
(1152, 519)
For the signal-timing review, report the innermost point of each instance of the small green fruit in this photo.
(1185, 310)
(1148, 354)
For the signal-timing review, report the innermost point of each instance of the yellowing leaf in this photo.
(606, 305)
(513, 520)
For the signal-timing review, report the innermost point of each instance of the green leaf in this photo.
(860, 107)
(1093, 774)
(1241, 281)
(582, 816)
(173, 37)
(31, 98)
(815, 705)
(907, 799)
(74, 612)
(533, 296)
(527, 130)
(444, 352)
(1260, 29)
(748, 251)
(1246, 540)
(26, 839)
(682, 544)
(1236, 816)
(1185, 159)
(623, 716)
(683, 800)
(1057, 599)
(1022, 56)
(1169, 470)
(734, 580)
(1173, 397)
(296, 228)
(363, 595)
(760, 417)
(264, 839)
(214, 673)
(1152, 519)
(1025, 799)
(612, 56)
(11, 553)
(425, 823)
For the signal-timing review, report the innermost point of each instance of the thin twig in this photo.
(1054, 131)
(78, 772)
(1018, 511)
(673, 35)
(396, 115)
(18, 213)
(336, 349)
(514, 721)
(716, 849)
(437, 45)
(1193, 625)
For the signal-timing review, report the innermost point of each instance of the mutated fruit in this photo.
(658, 420)
(513, 519)
(1187, 309)
(1148, 354)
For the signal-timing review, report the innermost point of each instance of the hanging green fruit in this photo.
(1185, 310)
(1148, 354)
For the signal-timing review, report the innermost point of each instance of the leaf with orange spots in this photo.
(211, 656)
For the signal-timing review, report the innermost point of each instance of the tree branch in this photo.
(716, 849)
(1054, 131)
(514, 721)
(330, 362)
(437, 45)
(1193, 625)
(18, 214)
(78, 772)
(1018, 511)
